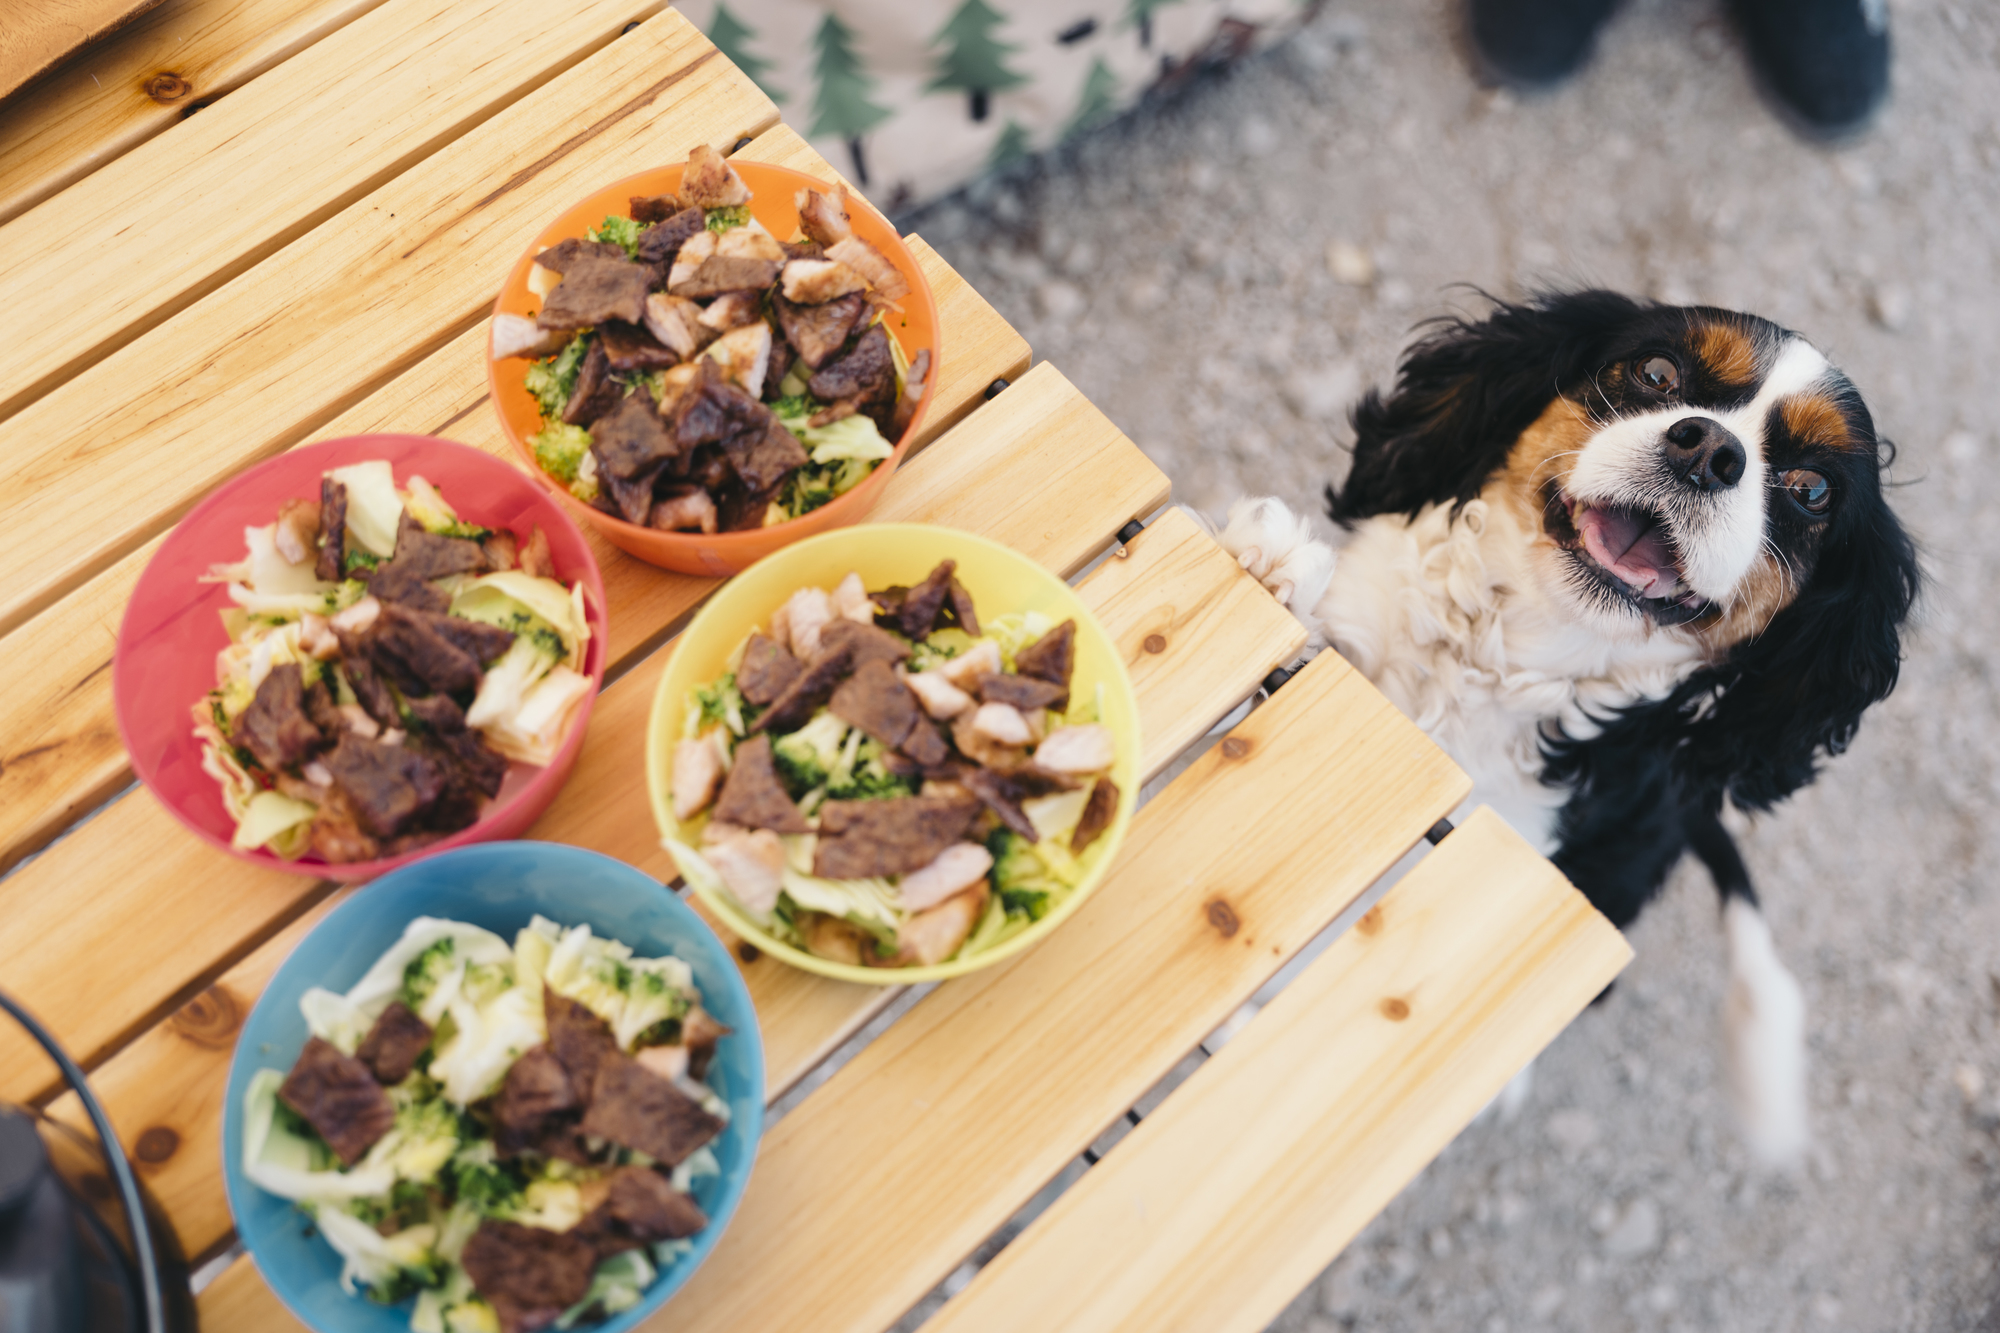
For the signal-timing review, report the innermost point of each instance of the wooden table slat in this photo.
(343, 118)
(38, 34)
(60, 755)
(264, 361)
(1258, 1170)
(144, 80)
(930, 1138)
(163, 1089)
(109, 889)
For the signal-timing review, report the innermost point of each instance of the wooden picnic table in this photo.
(313, 253)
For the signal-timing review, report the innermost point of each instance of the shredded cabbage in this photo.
(291, 1167)
(276, 820)
(374, 506)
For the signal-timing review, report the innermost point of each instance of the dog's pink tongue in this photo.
(1637, 554)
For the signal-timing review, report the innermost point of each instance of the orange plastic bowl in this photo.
(772, 190)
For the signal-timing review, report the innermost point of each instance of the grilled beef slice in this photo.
(579, 1038)
(727, 273)
(386, 786)
(559, 257)
(391, 1048)
(321, 709)
(753, 796)
(818, 331)
(764, 457)
(594, 392)
(430, 556)
(875, 701)
(767, 669)
(528, 1273)
(866, 372)
(631, 441)
(640, 1208)
(404, 586)
(860, 839)
(636, 1108)
(1001, 797)
(411, 653)
(370, 690)
(1023, 692)
(478, 640)
(1097, 813)
(536, 1091)
(631, 500)
(275, 728)
(653, 208)
(339, 1098)
(918, 613)
(332, 531)
(711, 409)
(808, 692)
(596, 288)
(868, 643)
(960, 602)
(783, 354)
(472, 764)
(1051, 657)
(631, 347)
(659, 243)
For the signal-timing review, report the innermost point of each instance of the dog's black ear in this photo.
(1465, 392)
(1800, 687)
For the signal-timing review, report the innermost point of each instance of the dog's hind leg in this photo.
(1763, 1012)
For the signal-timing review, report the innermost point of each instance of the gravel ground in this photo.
(1222, 272)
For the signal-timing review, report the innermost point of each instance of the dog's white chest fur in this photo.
(1445, 615)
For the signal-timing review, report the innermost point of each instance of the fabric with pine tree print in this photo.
(913, 98)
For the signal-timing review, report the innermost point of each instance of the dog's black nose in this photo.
(1704, 455)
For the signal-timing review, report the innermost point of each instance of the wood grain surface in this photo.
(941, 1127)
(334, 123)
(1257, 1171)
(60, 754)
(101, 888)
(170, 63)
(36, 34)
(264, 361)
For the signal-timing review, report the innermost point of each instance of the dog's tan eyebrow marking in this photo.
(1729, 353)
(1815, 420)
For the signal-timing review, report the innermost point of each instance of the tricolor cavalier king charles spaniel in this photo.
(1624, 562)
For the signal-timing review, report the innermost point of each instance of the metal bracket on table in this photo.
(1126, 534)
(1438, 831)
(993, 389)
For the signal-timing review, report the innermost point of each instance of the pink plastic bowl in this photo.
(165, 660)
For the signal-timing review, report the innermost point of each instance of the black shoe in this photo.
(1825, 61)
(1536, 42)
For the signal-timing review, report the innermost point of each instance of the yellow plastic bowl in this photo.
(1001, 582)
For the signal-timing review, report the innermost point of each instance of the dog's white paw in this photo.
(1764, 1015)
(1278, 549)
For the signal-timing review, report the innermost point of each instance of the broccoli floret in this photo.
(804, 491)
(806, 758)
(1019, 877)
(722, 219)
(425, 971)
(619, 231)
(490, 1188)
(722, 702)
(560, 449)
(867, 776)
(361, 560)
(551, 381)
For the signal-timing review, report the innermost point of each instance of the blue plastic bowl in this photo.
(499, 886)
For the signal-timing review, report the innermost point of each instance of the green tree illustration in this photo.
(1010, 147)
(974, 59)
(840, 103)
(732, 37)
(1099, 99)
(1139, 13)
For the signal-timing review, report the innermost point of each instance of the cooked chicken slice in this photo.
(823, 217)
(536, 562)
(542, 281)
(834, 939)
(710, 182)
(964, 671)
(732, 310)
(673, 383)
(743, 355)
(957, 867)
(316, 638)
(357, 617)
(697, 251)
(518, 335)
(805, 615)
(940, 698)
(850, 601)
(676, 322)
(697, 775)
(884, 277)
(1086, 749)
(933, 936)
(681, 513)
(817, 281)
(669, 1062)
(751, 242)
(1002, 723)
(982, 749)
(752, 866)
(297, 536)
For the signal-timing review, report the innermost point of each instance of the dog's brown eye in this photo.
(1810, 490)
(1658, 373)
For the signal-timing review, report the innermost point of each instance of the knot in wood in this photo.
(1223, 917)
(209, 1019)
(156, 1145)
(167, 88)
(1370, 922)
(748, 952)
(1155, 643)
(1235, 748)
(1395, 1009)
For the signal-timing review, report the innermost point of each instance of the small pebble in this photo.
(1349, 264)
(1970, 1082)
(1637, 1231)
(1060, 301)
(1889, 306)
